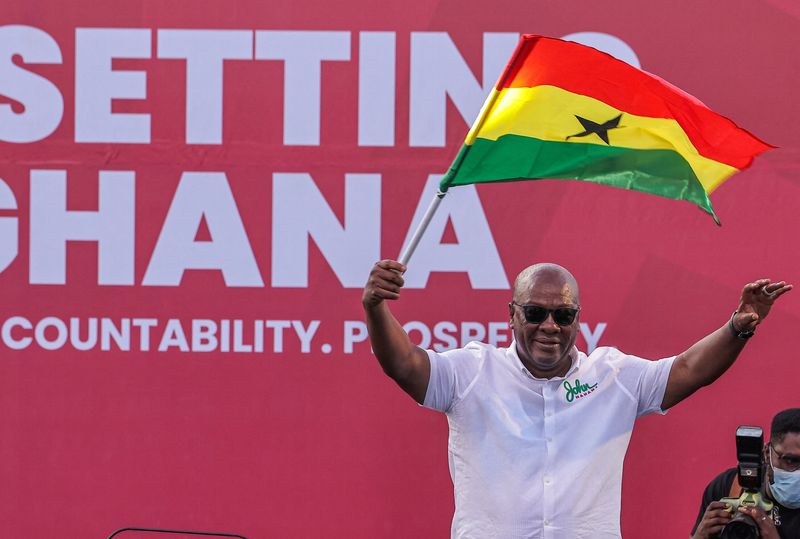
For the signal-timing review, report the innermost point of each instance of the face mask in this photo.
(786, 487)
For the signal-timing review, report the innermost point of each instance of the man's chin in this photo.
(550, 362)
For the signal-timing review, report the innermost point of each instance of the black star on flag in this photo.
(601, 130)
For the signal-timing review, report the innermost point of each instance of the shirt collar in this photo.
(517, 362)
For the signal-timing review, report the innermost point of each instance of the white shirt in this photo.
(535, 458)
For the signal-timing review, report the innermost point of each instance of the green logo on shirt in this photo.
(577, 391)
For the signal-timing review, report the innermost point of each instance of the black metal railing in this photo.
(184, 532)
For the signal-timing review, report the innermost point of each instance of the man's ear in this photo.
(767, 468)
(511, 314)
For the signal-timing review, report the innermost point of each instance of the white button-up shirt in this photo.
(538, 458)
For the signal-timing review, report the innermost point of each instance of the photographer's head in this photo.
(782, 453)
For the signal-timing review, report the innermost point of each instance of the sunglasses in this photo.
(536, 314)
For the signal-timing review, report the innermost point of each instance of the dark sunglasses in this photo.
(536, 314)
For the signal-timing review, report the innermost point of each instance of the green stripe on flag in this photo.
(513, 157)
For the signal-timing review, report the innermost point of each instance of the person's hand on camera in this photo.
(714, 519)
(766, 527)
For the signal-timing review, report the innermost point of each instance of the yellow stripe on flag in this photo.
(549, 113)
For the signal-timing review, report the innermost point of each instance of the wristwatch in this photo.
(743, 335)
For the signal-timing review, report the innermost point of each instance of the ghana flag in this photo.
(566, 111)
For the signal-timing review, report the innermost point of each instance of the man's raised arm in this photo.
(405, 363)
(706, 360)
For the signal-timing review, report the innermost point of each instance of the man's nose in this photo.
(548, 324)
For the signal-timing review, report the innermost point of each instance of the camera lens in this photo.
(740, 527)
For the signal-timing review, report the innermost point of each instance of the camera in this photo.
(749, 444)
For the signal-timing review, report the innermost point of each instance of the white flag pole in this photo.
(451, 173)
(426, 220)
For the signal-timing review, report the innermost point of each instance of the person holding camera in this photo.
(781, 486)
(539, 430)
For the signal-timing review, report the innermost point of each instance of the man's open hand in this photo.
(756, 302)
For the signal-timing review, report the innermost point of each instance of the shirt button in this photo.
(548, 439)
(549, 414)
(546, 522)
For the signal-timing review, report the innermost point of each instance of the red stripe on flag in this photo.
(583, 70)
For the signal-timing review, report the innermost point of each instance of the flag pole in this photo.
(444, 185)
(423, 225)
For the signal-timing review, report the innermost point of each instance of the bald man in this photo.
(539, 430)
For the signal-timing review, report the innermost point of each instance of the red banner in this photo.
(192, 195)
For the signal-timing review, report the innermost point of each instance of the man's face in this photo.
(545, 348)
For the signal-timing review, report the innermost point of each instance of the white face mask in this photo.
(785, 486)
